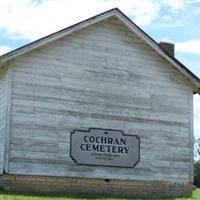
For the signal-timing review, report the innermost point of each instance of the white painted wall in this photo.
(104, 77)
(3, 114)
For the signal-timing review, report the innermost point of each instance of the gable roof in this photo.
(102, 16)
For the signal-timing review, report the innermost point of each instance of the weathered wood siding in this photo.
(105, 77)
(3, 114)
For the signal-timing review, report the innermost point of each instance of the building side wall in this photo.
(103, 77)
(3, 115)
(191, 140)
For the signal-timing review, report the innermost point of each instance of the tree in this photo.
(197, 149)
(197, 162)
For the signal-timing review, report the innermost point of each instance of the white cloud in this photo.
(167, 17)
(144, 11)
(197, 105)
(190, 46)
(4, 49)
(175, 4)
(31, 19)
(165, 39)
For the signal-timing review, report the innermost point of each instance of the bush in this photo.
(197, 173)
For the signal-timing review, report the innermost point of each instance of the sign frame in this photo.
(103, 129)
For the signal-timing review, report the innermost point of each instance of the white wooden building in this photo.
(105, 73)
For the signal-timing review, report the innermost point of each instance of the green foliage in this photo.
(197, 173)
(24, 196)
(197, 149)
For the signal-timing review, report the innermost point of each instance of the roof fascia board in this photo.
(57, 35)
(154, 45)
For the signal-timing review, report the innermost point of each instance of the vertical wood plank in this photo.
(3, 114)
(8, 116)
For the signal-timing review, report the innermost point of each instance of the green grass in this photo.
(11, 196)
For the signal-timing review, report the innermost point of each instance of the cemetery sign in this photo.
(105, 147)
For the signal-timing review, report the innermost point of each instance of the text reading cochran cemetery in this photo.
(104, 144)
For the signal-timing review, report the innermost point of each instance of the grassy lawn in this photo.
(10, 196)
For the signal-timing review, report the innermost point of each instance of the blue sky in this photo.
(176, 21)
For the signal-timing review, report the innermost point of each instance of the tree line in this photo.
(197, 162)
